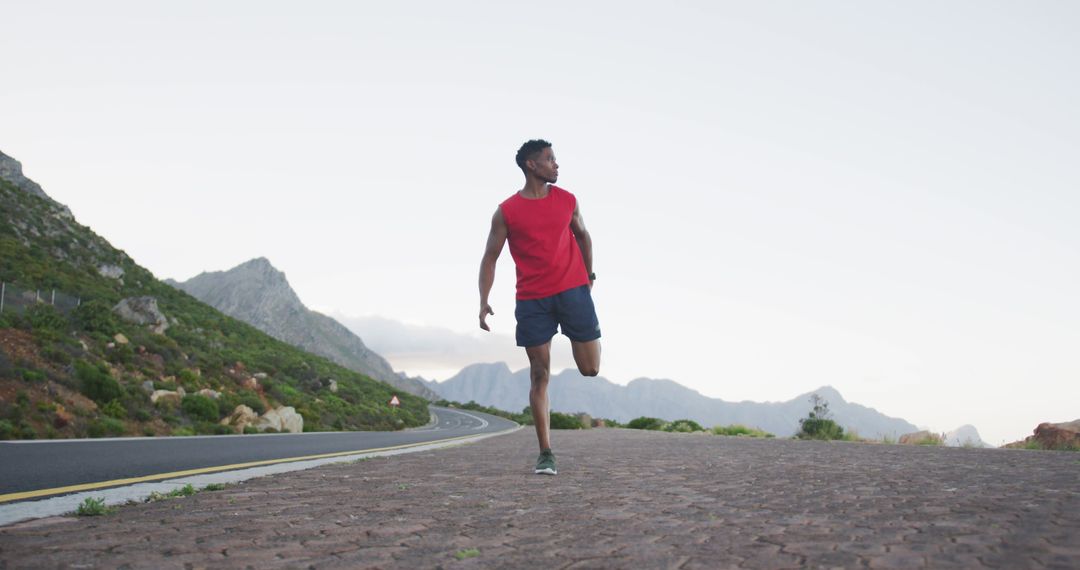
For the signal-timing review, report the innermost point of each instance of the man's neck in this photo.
(534, 188)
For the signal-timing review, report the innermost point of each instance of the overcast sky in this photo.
(880, 196)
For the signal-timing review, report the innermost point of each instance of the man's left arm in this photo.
(584, 240)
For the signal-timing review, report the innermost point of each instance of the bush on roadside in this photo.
(684, 426)
(106, 427)
(740, 430)
(565, 421)
(96, 382)
(817, 424)
(200, 407)
(647, 423)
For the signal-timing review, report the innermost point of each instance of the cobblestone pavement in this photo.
(622, 499)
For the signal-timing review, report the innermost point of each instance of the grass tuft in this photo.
(91, 507)
(467, 553)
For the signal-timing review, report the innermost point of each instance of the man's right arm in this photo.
(495, 241)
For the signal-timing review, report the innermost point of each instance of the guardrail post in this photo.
(53, 302)
(3, 289)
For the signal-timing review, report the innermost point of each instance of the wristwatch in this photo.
(592, 277)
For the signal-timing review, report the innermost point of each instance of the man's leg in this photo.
(587, 356)
(540, 373)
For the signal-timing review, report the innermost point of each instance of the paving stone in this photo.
(623, 498)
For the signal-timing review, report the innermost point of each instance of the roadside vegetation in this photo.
(558, 420)
(818, 424)
(691, 426)
(95, 506)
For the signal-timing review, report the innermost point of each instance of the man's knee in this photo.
(589, 370)
(539, 375)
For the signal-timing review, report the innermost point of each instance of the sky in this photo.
(877, 196)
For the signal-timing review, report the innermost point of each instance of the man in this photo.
(553, 254)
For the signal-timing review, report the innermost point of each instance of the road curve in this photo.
(52, 464)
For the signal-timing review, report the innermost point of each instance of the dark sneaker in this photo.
(545, 464)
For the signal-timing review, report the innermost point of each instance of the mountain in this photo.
(496, 385)
(258, 294)
(92, 344)
(965, 436)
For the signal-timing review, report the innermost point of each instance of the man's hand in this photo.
(484, 312)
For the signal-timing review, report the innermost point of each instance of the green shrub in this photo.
(817, 424)
(645, 422)
(740, 430)
(120, 354)
(57, 355)
(200, 407)
(26, 431)
(96, 382)
(106, 427)
(7, 430)
(96, 316)
(45, 317)
(142, 415)
(684, 426)
(817, 428)
(187, 377)
(92, 507)
(114, 409)
(564, 421)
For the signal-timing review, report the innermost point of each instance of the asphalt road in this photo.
(47, 464)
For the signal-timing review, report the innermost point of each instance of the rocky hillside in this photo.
(126, 354)
(260, 295)
(495, 385)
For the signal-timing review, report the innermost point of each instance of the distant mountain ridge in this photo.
(496, 385)
(260, 295)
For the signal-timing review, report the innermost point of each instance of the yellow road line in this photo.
(173, 475)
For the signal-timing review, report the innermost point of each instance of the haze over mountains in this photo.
(496, 385)
(259, 294)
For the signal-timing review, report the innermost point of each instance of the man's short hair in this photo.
(530, 150)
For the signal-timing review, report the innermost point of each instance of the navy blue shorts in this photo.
(572, 310)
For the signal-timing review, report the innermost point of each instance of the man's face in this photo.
(545, 167)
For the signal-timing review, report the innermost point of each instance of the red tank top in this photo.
(545, 251)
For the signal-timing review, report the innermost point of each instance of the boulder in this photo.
(260, 375)
(212, 394)
(142, 311)
(120, 338)
(333, 386)
(241, 417)
(921, 438)
(283, 419)
(1064, 435)
(110, 271)
(250, 383)
(148, 386)
(167, 396)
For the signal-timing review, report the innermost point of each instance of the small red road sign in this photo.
(394, 401)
